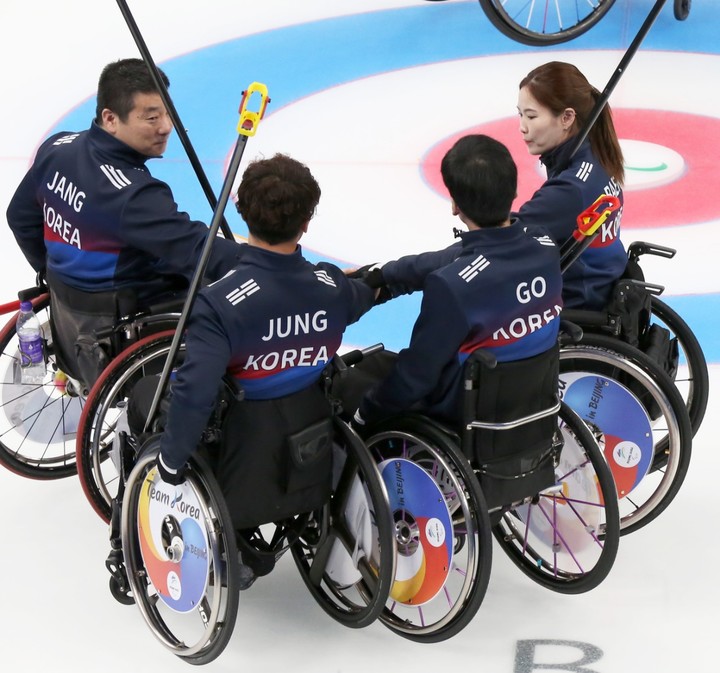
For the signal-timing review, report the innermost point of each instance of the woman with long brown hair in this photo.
(555, 101)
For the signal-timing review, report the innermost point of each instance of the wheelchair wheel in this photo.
(442, 530)
(104, 414)
(639, 417)
(38, 422)
(346, 553)
(181, 558)
(544, 22)
(566, 538)
(692, 378)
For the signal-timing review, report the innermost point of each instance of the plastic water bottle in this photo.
(30, 338)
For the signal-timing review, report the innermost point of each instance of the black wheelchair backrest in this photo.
(510, 423)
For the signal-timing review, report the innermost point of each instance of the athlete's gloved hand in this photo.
(168, 474)
(372, 276)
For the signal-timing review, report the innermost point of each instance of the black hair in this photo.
(558, 85)
(481, 176)
(120, 81)
(277, 197)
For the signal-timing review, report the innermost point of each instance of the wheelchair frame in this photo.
(567, 571)
(564, 537)
(344, 552)
(639, 418)
(692, 377)
(539, 25)
(37, 435)
(694, 385)
(96, 453)
(168, 555)
(666, 402)
(448, 529)
(39, 422)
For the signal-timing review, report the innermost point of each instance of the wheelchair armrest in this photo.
(105, 332)
(31, 293)
(639, 248)
(353, 357)
(171, 306)
(339, 365)
(570, 332)
(483, 358)
(477, 360)
(233, 388)
(652, 288)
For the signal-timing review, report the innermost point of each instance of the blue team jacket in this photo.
(90, 211)
(556, 206)
(272, 323)
(498, 289)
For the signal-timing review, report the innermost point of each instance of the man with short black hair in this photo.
(498, 289)
(106, 235)
(90, 214)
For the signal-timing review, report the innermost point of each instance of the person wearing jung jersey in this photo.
(498, 288)
(273, 322)
(89, 213)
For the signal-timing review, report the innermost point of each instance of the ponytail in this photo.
(559, 86)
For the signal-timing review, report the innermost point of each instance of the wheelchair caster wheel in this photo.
(121, 595)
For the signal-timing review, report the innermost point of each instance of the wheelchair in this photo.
(637, 316)
(523, 468)
(545, 23)
(639, 378)
(104, 417)
(174, 550)
(39, 422)
(638, 417)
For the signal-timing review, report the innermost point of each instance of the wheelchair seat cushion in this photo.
(275, 457)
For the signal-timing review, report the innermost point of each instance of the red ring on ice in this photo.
(690, 199)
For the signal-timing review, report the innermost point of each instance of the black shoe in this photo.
(257, 554)
(246, 576)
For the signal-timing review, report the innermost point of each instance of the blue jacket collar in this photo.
(556, 159)
(109, 144)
